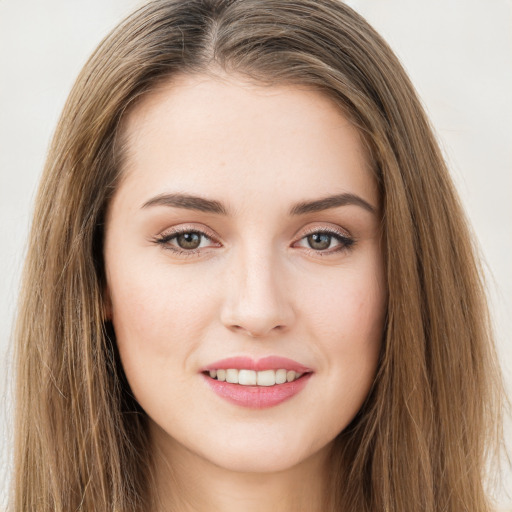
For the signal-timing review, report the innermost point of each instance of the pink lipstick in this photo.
(258, 384)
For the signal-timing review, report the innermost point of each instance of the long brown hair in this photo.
(422, 438)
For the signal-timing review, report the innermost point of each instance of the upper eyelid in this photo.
(172, 233)
(188, 229)
(211, 235)
(331, 230)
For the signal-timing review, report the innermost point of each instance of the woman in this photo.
(250, 282)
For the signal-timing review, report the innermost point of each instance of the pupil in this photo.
(189, 240)
(319, 241)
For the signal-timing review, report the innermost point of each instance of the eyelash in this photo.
(346, 242)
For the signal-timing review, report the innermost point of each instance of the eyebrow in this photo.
(190, 202)
(334, 201)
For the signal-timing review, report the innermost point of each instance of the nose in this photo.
(257, 301)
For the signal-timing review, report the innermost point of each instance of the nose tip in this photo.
(256, 303)
(245, 316)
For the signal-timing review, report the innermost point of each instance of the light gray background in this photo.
(458, 53)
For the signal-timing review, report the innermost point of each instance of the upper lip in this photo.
(265, 363)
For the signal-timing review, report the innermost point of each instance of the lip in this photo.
(265, 363)
(257, 397)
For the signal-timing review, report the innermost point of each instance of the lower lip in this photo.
(257, 397)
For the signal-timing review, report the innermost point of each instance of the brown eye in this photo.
(186, 242)
(189, 240)
(325, 242)
(319, 241)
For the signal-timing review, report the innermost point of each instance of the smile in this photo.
(254, 378)
(256, 384)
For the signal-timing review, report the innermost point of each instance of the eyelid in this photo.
(186, 228)
(164, 238)
(326, 229)
(345, 241)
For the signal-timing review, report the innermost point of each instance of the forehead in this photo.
(226, 136)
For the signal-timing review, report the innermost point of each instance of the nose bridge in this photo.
(256, 301)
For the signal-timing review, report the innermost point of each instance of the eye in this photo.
(326, 241)
(191, 240)
(186, 241)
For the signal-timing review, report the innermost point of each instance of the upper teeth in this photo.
(253, 378)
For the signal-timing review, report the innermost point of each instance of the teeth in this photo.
(247, 377)
(266, 378)
(280, 376)
(232, 376)
(253, 378)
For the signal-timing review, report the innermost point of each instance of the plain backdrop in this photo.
(457, 52)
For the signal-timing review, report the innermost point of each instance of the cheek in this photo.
(155, 317)
(347, 320)
(348, 312)
(157, 331)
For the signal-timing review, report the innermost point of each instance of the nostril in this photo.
(257, 333)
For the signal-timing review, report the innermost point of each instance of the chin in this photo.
(256, 463)
(263, 455)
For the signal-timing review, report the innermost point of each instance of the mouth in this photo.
(244, 377)
(256, 384)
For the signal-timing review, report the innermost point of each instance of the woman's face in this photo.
(245, 230)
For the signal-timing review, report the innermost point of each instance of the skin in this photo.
(255, 287)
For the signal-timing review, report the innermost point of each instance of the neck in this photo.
(186, 482)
